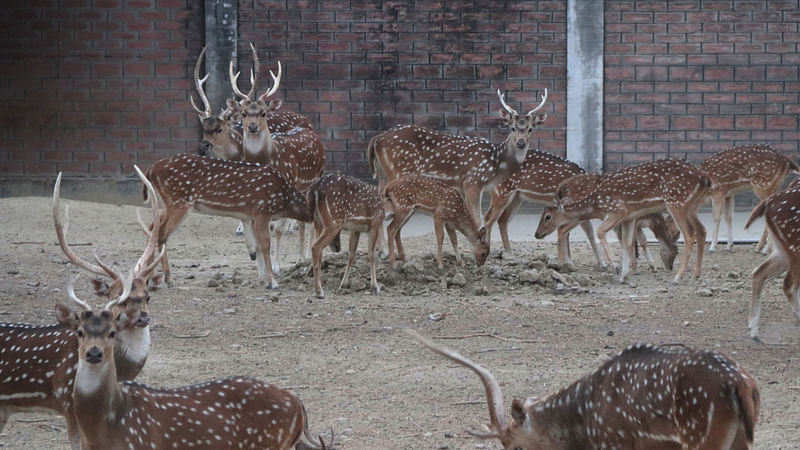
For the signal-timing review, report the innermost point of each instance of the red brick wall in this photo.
(691, 78)
(360, 67)
(92, 87)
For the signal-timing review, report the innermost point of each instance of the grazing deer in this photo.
(780, 210)
(340, 202)
(297, 154)
(741, 168)
(252, 193)
(222, 136)
(37, 370)
(230, 413)
(636, 191)
(664, 230)
(646, 397)
(536, 181)
(467, 163)
(410, 193)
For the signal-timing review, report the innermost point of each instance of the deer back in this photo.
(298, 154)
(577, 188)
(739, 166)
(429, 195)
(231, 188)
(339, 198)
(538, 176)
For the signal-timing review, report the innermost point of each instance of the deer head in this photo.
(481, 247)
(254, 111)
(521, 126)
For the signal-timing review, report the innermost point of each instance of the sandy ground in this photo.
(346, 356)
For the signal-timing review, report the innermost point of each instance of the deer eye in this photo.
(112, 334)
(547, 217)
(147, 299)
(80, 333)
(218, 130)
(263, 114)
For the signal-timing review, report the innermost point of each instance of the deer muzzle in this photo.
(252, 127)
(143, 320)
(94, 355)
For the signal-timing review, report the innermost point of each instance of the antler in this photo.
(276, 83)
(140, 270)
(61, 231)
(255, 72)
(71, 291)
(127, 284)
(493, 393)
(508, 109)
(198, 84)
(544, 99)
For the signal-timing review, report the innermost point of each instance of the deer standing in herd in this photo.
(39, 362)
(633, 192)
(740, 168)
(646, 397)
(466, 163)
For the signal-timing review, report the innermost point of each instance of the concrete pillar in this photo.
(221, 33)
(585, 83)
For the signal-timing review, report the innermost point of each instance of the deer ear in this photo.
(66, 317)
(275, 105)
(518, 412)
(482, 234)
(507, 117)
(101, 288)
(233, 105)
(155, 282)
(538, 120)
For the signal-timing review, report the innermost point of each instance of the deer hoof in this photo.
(320, 295)
(377, 288)
(273, 284)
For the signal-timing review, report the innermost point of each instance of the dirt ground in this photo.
(346, 356)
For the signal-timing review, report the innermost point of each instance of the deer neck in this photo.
(98, 403)
(507, 162)
(583, 210)
(130, 352)
(258, 146)
(468, 228)
(561, 418)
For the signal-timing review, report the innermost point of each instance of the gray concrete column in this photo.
(585, 83)
(221, 33)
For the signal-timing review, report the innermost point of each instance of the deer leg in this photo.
(302, 256)
(324, 238)
(438, 228)
(791, 286)
(770, 268)
(472, 196)
(351, 256)
(73, 432)
(276, 232)
(717, 205)
(505, 217)
(588, 230)
(642, 240)
(699, 232)
(763, 193)
(729, 221)
(249, 239)
(562, 241)
(393, 236)
(375, 232)
(627, 239)
(684, 224)
(451, 233)
(240, 228)
(261, 229)
(170, 219)
(497, 207)
(609, 223)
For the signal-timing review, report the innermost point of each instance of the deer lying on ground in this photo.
(664, 230)
(741, 168)
(536, 181)
(636, 191)
(37, 370)
(646, 397)
(252, 193)
(780, 210)
(467, 163)
(418, 193)
(340, 202)
(230, 413)
(297, 154)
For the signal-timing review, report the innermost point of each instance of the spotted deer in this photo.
(412, 193)
(340, 202)
(646, 397)
(536, 181)
(636, 191)
(780, 210)
(467, 163)
(222, 134)
(236, 412)
(252, 193)
(741, 168)
(298, 154)
(664, 229)
(37, 370)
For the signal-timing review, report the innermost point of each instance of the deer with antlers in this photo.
(412, 193)
(222, 134)
(252, 193)
(780, 210)
(744, 167)
(340, 202)
(646, 397)
(466, 163)
(237, 412)
(37, 370)
(536, 181)
(298, 154)
(633, 192)
(664, 229)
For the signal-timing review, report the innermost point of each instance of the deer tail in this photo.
(793, 165)
(144, 186)
(307, 442)
(758, 211)
(371, 156)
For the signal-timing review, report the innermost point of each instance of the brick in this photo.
(783, 122)
(718, 123)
